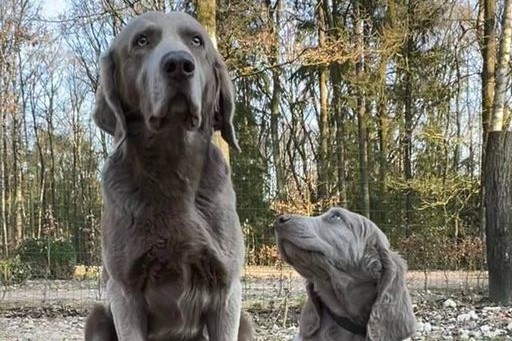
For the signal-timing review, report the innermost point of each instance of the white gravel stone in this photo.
(471, 315)
(485, 328)
(449, 303)
(424, 327)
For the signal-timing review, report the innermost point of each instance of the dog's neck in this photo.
(352, 300)
(165, 164)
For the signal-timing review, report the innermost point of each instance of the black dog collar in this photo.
(343, 322)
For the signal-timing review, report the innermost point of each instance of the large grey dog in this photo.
(171, 238)
(355, 285)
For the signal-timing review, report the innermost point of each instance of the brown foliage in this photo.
(439, 252)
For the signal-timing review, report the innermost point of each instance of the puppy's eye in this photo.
(197, 41)
(142, 41)
(336, 216)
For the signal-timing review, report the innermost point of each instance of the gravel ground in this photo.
(453, 309)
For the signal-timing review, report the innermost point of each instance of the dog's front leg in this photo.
(224, 318)
(130, 319)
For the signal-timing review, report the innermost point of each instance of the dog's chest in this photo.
(180, 284)
(182, 297)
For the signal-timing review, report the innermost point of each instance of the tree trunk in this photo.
(489, 64)
(498, 116)
(323, 120)
(408, 125)
(488, 72)
(206, 10)
(275, 100)
(339, 111)
(361, 115)
(3, 182)
(383, 134)
(498, 202)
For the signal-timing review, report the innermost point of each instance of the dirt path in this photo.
(55, 310)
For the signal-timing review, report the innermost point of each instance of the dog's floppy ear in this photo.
(392, 317)
(108, 113)
(225, 104)
(310, 315)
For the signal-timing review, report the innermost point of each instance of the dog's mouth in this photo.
(305, 261)
(180, 110)
(291, 250)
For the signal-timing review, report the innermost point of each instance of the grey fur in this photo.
(171, 238)
(347, 262)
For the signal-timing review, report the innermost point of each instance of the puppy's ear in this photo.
(225, 104)
(108, 114)
(392, 317)
(310, 316)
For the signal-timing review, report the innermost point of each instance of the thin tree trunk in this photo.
(16, 183)
(458, 113)
(383, 134)
(361, 115)
(323, 121)
(3, 183)
(51, 132)
(42, 173)
(340, 113)
(408, 116)
(276, 99)
(336, 26)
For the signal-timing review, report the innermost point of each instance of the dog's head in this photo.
(340, 245)
(163, 71)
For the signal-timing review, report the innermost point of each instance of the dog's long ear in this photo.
(108, 113)
(392, 317)
(225, 104)
(310, 315)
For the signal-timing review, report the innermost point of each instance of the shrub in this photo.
(267, 255)
(439, 252)
(82, 272)
(48, 258)
(13, 271)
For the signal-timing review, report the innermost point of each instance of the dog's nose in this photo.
(282, 219)
(178, 65)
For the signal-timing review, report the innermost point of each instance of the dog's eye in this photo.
(336, 216)
(197, 41)
(141, 41)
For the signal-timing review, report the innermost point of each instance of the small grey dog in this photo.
(355, 285)
(171, 238)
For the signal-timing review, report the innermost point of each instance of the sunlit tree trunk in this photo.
(487, 14)
(336, 26)
(275, 100)
(502, 69)
(206, 15)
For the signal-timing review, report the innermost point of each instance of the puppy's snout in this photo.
(178, 65)
(283, 219)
